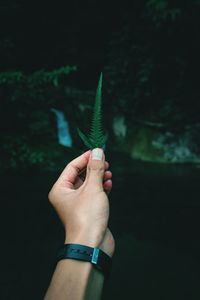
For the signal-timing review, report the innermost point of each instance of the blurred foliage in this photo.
(150, 52)
(41, 77)
(153, 59)
(27, 138)
(20, 153)
(160, 10)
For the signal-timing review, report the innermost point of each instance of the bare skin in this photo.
(80, 198)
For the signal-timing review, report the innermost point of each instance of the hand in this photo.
(82, 204)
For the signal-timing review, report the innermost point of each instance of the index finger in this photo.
(73, 169)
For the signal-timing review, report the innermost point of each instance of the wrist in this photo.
(91, 239)
(98, 258)
(83, 240)
(105, 241)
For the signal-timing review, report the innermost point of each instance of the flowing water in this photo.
(64, 136)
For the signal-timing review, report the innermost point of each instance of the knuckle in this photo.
(68, 166)
(51, 195)
(97, 168)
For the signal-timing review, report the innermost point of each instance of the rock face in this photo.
(179, 148)
(156, 145)
(119, 126)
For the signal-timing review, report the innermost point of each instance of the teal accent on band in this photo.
(95, 256)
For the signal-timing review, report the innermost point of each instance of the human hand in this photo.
(82, 204)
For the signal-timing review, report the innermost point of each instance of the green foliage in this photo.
(11, 78)
(29, 137)
(96, 138)
(52, 77)
(19, 153)
(160, 11)
(152, 67)
(38, 78)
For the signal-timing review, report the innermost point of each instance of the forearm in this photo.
(95, 285)
(75, 280)
(83, 207)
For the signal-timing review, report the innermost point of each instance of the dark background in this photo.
(51, 55)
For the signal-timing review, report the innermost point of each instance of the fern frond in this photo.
(96, 137)
(84, 138)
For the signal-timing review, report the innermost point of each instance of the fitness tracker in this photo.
(95, 256)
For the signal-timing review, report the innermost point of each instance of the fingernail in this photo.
(97, 154)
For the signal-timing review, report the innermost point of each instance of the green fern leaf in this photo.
(96, 138)
(84, 138)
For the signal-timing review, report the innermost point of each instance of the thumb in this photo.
(96, 168)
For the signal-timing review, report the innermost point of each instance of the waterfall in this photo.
(64, 137)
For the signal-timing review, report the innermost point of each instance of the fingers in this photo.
(77, 183)
(107, 185)
(74, 173)
(106, 165)
(107, 175)
(80, 179)
(73, 169)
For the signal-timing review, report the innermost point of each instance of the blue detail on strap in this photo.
(95, 256)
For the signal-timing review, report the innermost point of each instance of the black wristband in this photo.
(96, 256)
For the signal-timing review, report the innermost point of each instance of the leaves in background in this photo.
(38, 78)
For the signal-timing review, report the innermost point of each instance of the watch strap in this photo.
(96, 256)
